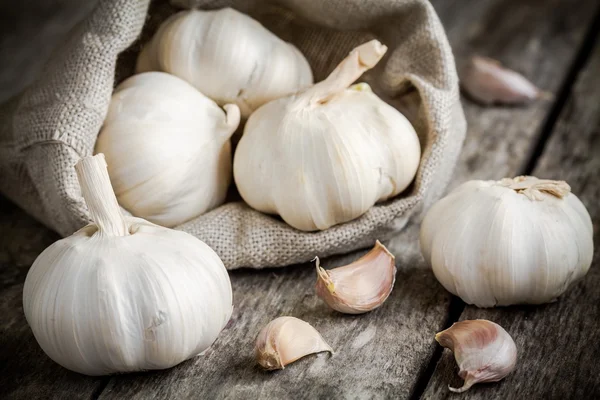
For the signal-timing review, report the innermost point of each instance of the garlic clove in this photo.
(361, 286)
(483, 350)
(285, 340)
(486, 81)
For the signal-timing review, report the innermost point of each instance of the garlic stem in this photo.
(361, 59)
(99, 195)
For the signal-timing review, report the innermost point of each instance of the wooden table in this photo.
(391, 352)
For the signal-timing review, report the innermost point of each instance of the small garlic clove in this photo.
(285, 340)
(361, 286)
(483, 350)
(486, 81)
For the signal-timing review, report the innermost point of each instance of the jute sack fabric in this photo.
(54, 123)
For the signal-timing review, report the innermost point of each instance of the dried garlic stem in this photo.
(99, 196)
(534, 188)
(361, 59)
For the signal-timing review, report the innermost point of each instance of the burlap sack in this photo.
(55, 122)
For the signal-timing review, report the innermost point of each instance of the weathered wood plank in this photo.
(557, 343)
(539, 39)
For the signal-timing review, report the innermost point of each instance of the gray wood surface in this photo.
(557, 343)
(385, 353)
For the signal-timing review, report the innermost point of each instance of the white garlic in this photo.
(361, 286)
(521, 240)
(483, 350)
(123, 294)
(167, 147)
(324, 156)
(285, 340)
(228, 56)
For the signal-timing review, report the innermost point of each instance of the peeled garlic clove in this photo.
(361, 286)
(488, 82)
(483, 350)
(285, 340)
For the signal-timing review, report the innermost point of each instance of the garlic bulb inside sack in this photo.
(123, 294)
(513, 241)
(228, 56)
(167, 147)
(326, 155)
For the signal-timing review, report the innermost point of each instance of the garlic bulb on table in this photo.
(326, 155)
(513, 241)
(123, 294)
(228, 56)
(167, 147)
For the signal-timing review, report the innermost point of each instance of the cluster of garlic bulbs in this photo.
(123, 294)
(316, 155)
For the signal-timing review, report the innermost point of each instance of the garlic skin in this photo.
(167, 147)
(361, 286)
(228, 56)
(483, 350)
(123, 294)
(514, 241)
(326, 155)
(285, 340)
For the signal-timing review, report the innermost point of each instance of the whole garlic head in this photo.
(228, 56)
(123, 294)
(168, 148)
(513, 241)
(324, 156)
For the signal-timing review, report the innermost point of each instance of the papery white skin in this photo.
(167, 147)
(483, 350)
(492, 245)
(326, 155)
(228, 56)
(126, 295)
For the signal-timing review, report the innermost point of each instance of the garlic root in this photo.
(361, 286)
(483, 350)
(285, 340)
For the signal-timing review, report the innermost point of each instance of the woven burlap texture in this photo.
(45, 131)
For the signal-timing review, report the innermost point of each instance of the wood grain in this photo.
(558, 343)
(378, 355)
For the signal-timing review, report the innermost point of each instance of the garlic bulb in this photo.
(496, 243)
(361, 286)
(228, 56)
(326, 155)
(483, 350)
(285, 340)
(167, 147)
(123, 294)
